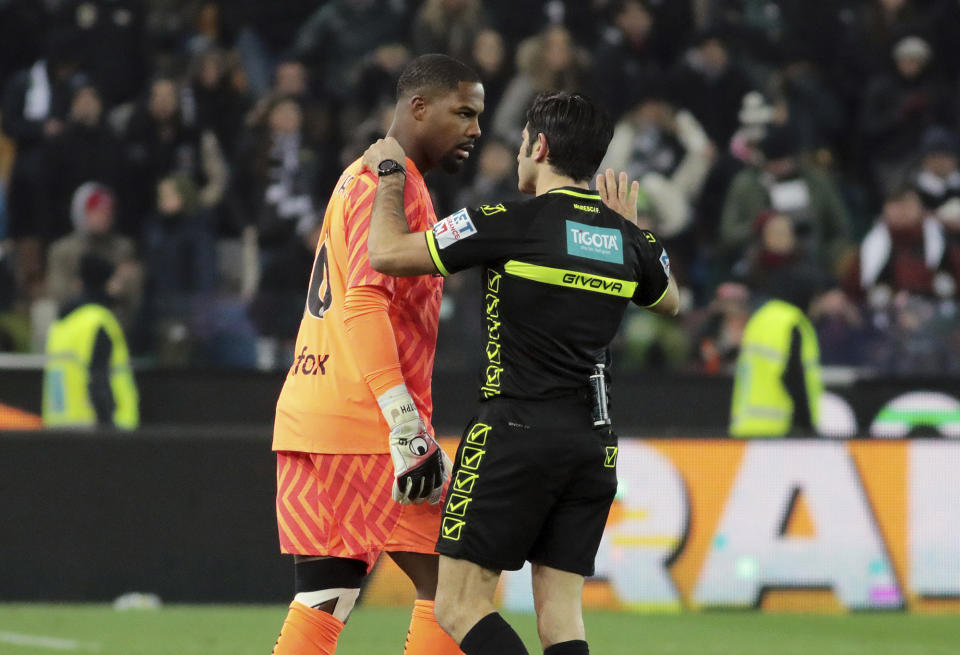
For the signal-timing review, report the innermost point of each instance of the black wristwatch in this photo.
(389, 167)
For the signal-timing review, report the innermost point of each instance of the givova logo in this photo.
(601, 243)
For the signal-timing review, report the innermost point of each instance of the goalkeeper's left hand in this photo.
(420, 465)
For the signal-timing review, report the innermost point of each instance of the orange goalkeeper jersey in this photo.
(326, 406)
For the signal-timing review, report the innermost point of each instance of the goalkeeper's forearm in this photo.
(418, 464)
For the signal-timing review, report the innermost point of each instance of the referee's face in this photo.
(453, 126)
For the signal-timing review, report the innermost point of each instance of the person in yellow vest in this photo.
(777, 386)
(87, 379)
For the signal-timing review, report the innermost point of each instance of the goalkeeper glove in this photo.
(420, 465)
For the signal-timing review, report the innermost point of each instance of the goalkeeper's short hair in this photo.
(431, 73)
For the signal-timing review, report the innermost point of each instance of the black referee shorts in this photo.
(531, 481)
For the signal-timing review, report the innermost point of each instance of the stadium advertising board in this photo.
(779, 525)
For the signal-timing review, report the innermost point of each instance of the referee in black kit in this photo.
(535, 473)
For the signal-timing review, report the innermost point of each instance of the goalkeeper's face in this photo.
(451, 128)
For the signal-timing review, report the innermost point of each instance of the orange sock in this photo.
(307, 631)
(426, 637)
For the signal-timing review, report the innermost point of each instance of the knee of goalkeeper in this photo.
(420, 465)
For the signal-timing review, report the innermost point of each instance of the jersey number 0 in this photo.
(319, 297)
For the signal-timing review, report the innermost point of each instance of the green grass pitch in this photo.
(35, 629)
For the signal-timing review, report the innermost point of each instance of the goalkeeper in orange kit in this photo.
(358, 469)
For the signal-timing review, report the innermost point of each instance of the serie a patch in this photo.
(454, 227)
(665, 262)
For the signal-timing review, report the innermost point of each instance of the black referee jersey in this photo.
(558, 272)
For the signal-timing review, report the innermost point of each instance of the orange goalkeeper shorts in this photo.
(342, 506)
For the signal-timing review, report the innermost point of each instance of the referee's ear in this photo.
(541, 150)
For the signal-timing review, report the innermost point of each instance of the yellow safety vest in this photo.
(762, 407)
(70, 343)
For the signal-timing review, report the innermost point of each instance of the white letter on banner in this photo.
(652, 521)
(934, 518)
(750, 551)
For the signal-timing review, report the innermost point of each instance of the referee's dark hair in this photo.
(577, 129)
(433, 72)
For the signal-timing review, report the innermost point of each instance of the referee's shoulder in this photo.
(500, 208)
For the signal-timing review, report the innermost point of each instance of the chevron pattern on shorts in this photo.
(336, 505)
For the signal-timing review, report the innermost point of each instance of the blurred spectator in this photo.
(291, 79)
(88, 380)
(844, 337)
(876, 27)
(339, 34)
(626, 60)
(548, 61)
(774, 248)
(897, 110)
(811, 108)
(264, 33)
(651, 342)
(675, 27)
(938, 180)
(711, 86)
(788, 186)
(92, 212)
(717, 329)
(22, 25)
(180, 260)
(158, 142)
(374, 127)
(755, 115)
(216, 97)
(274, 189)
(376, 84)
(670, 154)
(766, 30)
(86, 149)
(36, 102)
(777, 385)
(910, 290)
(904, 252)
(448, 27)
(275, 174)
(489, 57)
(104, 28)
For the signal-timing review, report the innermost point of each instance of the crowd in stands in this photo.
(194, 143)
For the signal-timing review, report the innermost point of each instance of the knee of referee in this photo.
(464, 595)
(557, 598)
(330, 584)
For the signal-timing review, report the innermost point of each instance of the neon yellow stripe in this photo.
(571, 279)
(434, 254)
(657, 301)
(568, 192)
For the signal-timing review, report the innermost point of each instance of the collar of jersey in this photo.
(576, 192)
(412, 167)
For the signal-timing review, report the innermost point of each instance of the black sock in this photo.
(492, 636)
(576, 647)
